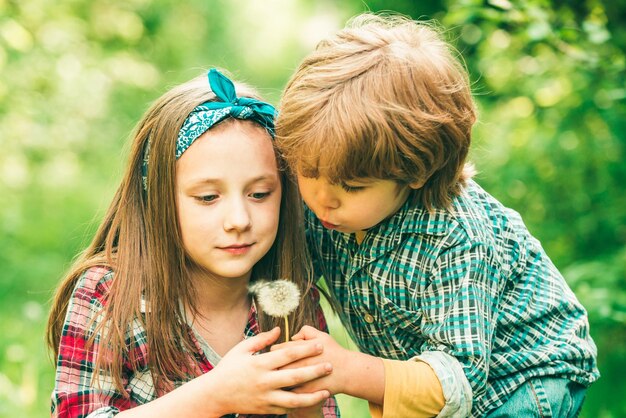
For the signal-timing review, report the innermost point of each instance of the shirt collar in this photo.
(414, 218)
(409, 219)
(252, 327)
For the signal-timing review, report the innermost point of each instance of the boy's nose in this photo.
(326, 197)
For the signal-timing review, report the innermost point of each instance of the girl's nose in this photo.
(237, 216)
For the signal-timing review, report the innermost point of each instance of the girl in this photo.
(155, 318)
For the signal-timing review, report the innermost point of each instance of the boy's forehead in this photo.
(333, 176)
(338, 159)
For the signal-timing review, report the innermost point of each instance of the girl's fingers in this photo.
(281, 346)
(276, 359)
(259, 341)
(291, 400)
(283, 401)
(287, 378)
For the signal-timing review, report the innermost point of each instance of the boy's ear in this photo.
(417, 184)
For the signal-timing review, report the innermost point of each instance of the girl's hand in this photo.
(244, 382)
(356, 374)
(333, 353)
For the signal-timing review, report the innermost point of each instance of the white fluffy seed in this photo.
(277, 298)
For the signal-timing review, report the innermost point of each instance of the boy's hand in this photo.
(333, 353)
(353, 373)
(256, 384)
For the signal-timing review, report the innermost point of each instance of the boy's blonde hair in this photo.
(384, 98)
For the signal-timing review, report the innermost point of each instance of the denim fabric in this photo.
(544, 397)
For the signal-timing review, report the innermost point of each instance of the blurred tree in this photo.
(75, 75)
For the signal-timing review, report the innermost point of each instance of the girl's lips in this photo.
(237, 249)
(328, 225)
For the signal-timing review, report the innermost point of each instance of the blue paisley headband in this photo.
(204, 116)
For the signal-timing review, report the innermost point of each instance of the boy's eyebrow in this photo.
(359, 181)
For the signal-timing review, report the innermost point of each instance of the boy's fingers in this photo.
(306, 333)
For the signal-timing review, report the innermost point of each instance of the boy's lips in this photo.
(328, 225)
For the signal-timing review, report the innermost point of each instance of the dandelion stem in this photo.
(286, 328)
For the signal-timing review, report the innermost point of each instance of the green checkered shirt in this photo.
(468, 290)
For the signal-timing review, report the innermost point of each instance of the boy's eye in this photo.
(351, 189)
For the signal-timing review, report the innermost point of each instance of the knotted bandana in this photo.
(204, 116)
(208, 114)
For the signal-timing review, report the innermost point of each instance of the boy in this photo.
(455, 306)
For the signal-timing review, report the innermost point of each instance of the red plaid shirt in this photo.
(76, 395)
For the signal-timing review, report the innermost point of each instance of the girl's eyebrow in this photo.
(212, 181)
(272, 177)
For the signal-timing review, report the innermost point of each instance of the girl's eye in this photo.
(208, 198)
(259, 195)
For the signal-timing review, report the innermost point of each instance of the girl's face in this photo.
(228, 190)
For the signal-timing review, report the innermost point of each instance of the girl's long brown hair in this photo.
(140, 240)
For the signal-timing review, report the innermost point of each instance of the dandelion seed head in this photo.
(277, 298)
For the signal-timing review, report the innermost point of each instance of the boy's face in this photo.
(353, 206)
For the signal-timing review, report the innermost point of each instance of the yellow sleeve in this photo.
(412, 389)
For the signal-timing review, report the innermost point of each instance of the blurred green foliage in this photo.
(75, 75)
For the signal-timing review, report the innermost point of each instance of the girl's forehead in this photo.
(234, 152)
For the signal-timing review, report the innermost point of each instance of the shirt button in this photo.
(369, 318)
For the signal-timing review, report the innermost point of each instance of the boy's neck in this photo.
(360, 236)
